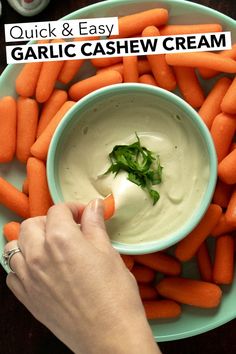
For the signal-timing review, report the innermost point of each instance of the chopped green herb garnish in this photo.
(141, 164)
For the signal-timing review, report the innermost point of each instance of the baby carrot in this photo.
(39, 196)
(13, 199)
(222, 194)
(25, 187)
(143, 67)
(228, 103)
(117, 67)
(27, 121)
(147, 79)
(11, 230)
(230, 214)
(187, 247)
(50, 108)
(227, 168)
(84, 87)
(222, 132)
(128, 260)
(131, 25)
(161, 309)
(147, 292)
(161, 262)
(40, 148)
(69, 70)
(190, 292)
(170, 30)
(204, 262)
(211, 106)
(223, 270)
(203, 60)
(130, 69)
(232, 147)
(27, 79)
(209, 73)
(109, 206)
(162, 72)
(104, 62)
(143, 274)
(222, 227)
(189, 86)
(7, 128)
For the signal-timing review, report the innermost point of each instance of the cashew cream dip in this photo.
(174, 137)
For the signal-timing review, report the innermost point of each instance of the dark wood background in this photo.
(20, 333)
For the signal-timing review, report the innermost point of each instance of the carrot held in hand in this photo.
(27, 122)
(189, 86)
(84, 87)
(161, 71)
(130, 69)
(222, 132)
(27, 79)
(7, 129)
(190, 292)
(170, 30)
(211, 106)
(223, 270)
(222, 194)
(143, 274)
(13, 199)
(39, 196)
(161, 262)
(204, 262)
(187, 247)
(227, 168)
(161, 309)
(230, 214)
(11, 230)
(109, 206)
(50, 108)
(40, 148)
(228, 103)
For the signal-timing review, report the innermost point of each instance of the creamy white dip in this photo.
(164, 131)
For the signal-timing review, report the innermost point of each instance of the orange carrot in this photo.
(27, 121)
(222, 194)
(209, 73)
(11, 230)
(204, 262)
(211, 105)
(128, 260)
(147, 292)
(161, 309)
(170, 30)
(222, 132)
(69, 70)
(147, 79)
(104, 62)
(143, 67)
(143, 274)
(189, 86)
(7, 128)
(187, 247)
(162, 72)
(232, 147)
(39, 196)
(228, 103)
(134, 24)
(223, 270)
(222, 227)
(25, 187)
(50, 108)
(40, 148)
(13, 199)
(117, 67)
(227, 168)
(161, 262)
(230, 214)
(27, 79)
(130, 69)
(203, 60)
(84, 87)
(109, 206)
(190, 292)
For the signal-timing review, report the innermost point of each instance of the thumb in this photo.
(93, 225)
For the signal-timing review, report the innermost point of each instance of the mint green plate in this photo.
(193, 321)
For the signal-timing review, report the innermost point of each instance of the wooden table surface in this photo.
(19, 331)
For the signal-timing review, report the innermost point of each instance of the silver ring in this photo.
(8, 255)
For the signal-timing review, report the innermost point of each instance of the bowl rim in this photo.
(157, 245)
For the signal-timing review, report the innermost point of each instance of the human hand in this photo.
(73, 281)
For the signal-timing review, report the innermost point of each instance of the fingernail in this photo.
(96, 206)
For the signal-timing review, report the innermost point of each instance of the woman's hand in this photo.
(73, 281)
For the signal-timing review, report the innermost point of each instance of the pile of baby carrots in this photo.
(28, 123)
